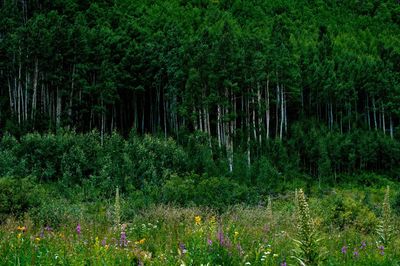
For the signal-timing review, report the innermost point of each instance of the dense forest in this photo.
(321, 77)
(200, 132)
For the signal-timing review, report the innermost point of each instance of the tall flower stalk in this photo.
(307, 251)
(385, 227)
(117, 208)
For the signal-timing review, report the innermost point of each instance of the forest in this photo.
(195, 116)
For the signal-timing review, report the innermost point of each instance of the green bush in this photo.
(18, 195)
(217, 192)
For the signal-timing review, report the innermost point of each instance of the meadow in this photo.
(341, 227)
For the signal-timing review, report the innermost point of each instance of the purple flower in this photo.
(355, 253)
(103, 242)
(220, 237)
(182, 248)
(363, 245)
(381, 250)
(344, 250)
(48, 228)
(41, 235)
(78, 229)
(122, 241)
(283, 263)
(209, 242)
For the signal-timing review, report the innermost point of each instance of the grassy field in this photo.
(343, 227)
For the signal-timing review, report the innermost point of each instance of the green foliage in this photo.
(349, 209)
(17, 196)
(218, 192)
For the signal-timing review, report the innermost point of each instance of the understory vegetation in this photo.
(339, 227)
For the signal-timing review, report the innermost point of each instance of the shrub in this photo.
(18, 195)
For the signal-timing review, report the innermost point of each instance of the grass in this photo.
(241, 235)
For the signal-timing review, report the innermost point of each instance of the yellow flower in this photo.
(21, 228)
(197, 220)
(141, 241)
(106, 247)
(236, 234)
(37, 239)
(19, 235)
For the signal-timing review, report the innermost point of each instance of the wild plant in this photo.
(385, 228)
(307, 250)
(117, 208)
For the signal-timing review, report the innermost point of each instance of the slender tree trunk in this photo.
(374, 112)
(19, 92)
(254, 118)
(219, 125)
(277, 108)
(103, 120)
(259, 113)
(391, 125)
(282, 114)
(267, 109)
(35, 83)
(368, 117)
(248, 129)
(58, 111)
(10, 95)
(71, 95)
(285, 110)
(383, 119)
(165, 115)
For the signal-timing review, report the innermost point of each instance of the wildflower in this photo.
(220, 237)
(19, 235)
(117, 208)
(209, 242)
(344, 250)
(197, 220)
(141, 241)
(41, 235)
(385, 228)
(103, 242)
(283, 263)
(355, 253)
(21, 228)
(78, 229)
(275, 255)
(48, 228)
(37, 239)
(182, 248)
(363, 245)
(123, 242)
(381, 250)
(236, 234)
